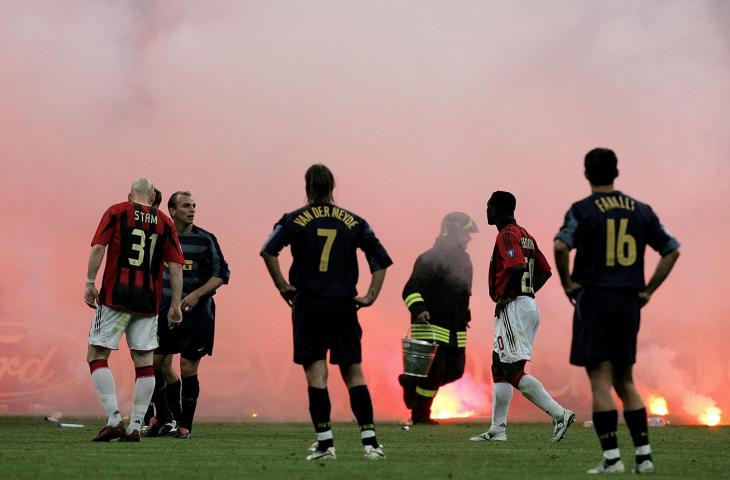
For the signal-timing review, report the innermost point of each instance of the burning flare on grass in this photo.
(460, 399)
(658, 405)
(703, 408)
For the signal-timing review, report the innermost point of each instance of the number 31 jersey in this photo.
(610, 232)
(139, 239)
(324, 239)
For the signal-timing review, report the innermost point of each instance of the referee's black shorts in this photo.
(325, 323)
(193, 338)
(605, 327)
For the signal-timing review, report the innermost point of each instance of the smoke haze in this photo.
(419, 108)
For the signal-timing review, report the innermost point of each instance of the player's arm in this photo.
(562, 263)
(91, 294)
(174, 315)
(514, 284)
(272, 265)
(663, 268)
(541, 272)
(376, 283)
(220, 276)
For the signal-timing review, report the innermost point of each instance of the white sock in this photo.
(535, 392)
(143, 389)
(501, 398)
(107, 392)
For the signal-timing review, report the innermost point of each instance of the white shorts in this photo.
(514, 330)
(109, 324)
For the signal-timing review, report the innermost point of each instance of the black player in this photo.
(437, 295)
(610, 231)
(204, 271)
(322, 283)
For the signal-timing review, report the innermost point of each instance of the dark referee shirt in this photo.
(324, 239)
(610, 232)
(203, 259)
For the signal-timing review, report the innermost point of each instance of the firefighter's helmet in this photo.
(457, 221)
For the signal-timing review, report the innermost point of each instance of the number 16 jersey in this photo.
(610, 232)
(324, 239)
(139, 238)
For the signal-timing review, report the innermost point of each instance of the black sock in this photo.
(362, 407)
(636, 421)
(189, 400)
(319, 409)
(159, 399)
(149, 414)
(172, 395)
(606, 424)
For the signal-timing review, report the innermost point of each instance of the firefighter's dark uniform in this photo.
(440, 284)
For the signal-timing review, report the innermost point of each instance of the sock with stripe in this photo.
(319, 409)
(639, 428)
(144, 385)
(362, 407)
(501, 399)
(103, 381)
(535, 392)
(606, 424)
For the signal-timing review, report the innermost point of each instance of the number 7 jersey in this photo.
(324, 239)
(513, 247)
(611, 232)
(139, 238)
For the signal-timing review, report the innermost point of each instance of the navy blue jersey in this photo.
(203, 259)
(324, 239)
(610, 232)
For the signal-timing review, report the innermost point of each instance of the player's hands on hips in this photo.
(288, 292)
(571, 290)
(91, 296)
(364, 301)
(644, 297)
(424, 316)
(189, 302)
(174, 316)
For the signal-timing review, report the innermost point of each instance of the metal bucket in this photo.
(418, 355)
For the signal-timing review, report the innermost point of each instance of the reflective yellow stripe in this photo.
(425, 393)
(421, 331)
(430, 336)
(461, 339)
(413, 298)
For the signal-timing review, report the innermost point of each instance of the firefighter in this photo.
(437, 295)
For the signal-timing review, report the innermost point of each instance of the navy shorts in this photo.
(193, 339)
(605, 327)
(325, 323)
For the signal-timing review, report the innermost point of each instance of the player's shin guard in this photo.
(103, 381)
(189, 399)
(362, 407)
(159, 398)
(172, 395)
(606, 424)
(319, 409)
(636, 421)
(144, 385)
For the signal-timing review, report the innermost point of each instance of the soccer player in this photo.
(137, 239)
(518, 269)
(324, 239)
(610, 231)
(204, 271)
(437, 295)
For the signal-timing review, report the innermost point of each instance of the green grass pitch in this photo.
(31, 448)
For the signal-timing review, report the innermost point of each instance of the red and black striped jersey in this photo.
(139, 239)
(514, 246)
